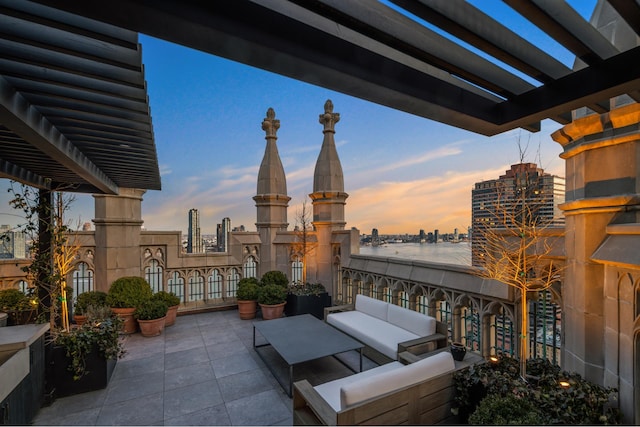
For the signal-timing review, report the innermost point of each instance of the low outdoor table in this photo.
(302, 338)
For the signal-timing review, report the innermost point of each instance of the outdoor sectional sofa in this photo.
(391, 394)
(387, 328)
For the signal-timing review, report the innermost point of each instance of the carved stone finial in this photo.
(329, 118)
(270, 125)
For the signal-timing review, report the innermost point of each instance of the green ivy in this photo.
(100, 333)
(580, 402)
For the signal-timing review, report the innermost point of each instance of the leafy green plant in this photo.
(101, 332)
(151, 310)
(247, 289)
(274, 277)
(300, 288)
(577, 402)
(272, 294)
(15, 300)
(128, 292)
(93, 298)
(168, 298)
(506, 410)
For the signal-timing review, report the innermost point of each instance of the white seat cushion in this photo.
(371, 306)
(330, 391)
(375, 385)
(418, 323)
(377, 334)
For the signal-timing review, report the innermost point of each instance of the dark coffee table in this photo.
(299, 339)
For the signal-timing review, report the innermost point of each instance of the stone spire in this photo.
(328, 175)
(271, 177)
(271, 198)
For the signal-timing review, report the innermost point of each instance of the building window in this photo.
(297, 268)
(196, 287)
(175, 284)
(82, 279)
(422, 304)
(215, 285)
(23, 285)
(403, 299)
(471, 328)
(249, 267)
(153, 275)
(232, 283)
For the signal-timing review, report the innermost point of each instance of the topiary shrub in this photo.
(90, 298)
(14, 300)
(168, 298)
(151, 309)
(247, 289)
(506, 410)
(128, 292)
(272, 294)
(274, 277)
(578, 402)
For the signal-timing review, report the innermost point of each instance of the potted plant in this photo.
(173, 302)
(20, 307)
(247, 296)
(307, 298)
(86, 299)
(272, 299)
(125, 294)
(84, 358)
(151, 315)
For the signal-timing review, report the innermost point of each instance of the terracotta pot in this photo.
(151, 328)
(247, 309)
(79, 319)
(172, 313)
(126, 314)
(272, 311)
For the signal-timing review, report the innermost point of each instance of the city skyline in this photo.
(402, 173)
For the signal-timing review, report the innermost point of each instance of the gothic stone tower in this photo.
(271, 197)
(328, 197)
(601, 289)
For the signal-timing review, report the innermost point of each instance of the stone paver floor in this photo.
(203, 370)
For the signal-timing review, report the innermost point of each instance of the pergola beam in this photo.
(19, 115)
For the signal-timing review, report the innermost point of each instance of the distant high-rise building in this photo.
(222, 232)
(422, 236)
(541, 191)
(194, 240)
(12, 243)
(436, 235)
(375, 237)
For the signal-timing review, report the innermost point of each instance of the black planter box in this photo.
(307, 304)
(98, 371)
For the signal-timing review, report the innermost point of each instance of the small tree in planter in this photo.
(84, 358)
(151, 316)
(172, 301)
(86, 299)
(247, 295)
(125, 295)
(272, 299)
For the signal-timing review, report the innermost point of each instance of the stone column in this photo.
(602, 153)
(118, 221)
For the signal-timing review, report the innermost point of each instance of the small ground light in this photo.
(493, 359)
(564, 384)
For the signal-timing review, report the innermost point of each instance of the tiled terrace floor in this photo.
(201, 371)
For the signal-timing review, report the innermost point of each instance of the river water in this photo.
(449, 253)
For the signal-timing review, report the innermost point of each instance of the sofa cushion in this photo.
(377, 334)
(371, 306)
(371, 386)
(330, 391)
(418, 323)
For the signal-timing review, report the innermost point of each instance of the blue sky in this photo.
(402, 172)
